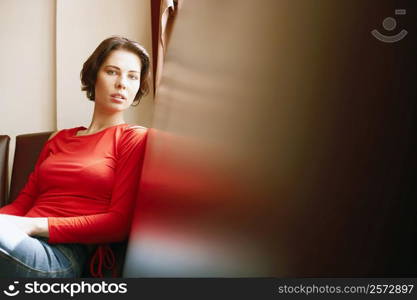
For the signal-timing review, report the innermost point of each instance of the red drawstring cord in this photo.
(103, 256)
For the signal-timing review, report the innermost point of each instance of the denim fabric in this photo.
(23, 256)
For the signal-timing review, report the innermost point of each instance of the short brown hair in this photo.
(94, 62)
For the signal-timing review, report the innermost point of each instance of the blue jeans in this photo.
(24, 256)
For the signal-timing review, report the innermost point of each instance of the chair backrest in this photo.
(4, 163)
(28, 148)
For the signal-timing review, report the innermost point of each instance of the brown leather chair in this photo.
(4, 163)
(28, 148)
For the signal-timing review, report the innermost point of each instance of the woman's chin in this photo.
(112, 108)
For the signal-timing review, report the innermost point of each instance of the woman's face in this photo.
(118, 81)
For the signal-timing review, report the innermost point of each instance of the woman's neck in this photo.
(100, 122)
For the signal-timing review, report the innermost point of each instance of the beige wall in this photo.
(43, 46)
(27, 79)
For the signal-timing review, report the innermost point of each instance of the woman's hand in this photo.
(30, 226)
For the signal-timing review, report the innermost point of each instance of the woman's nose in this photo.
(121, 82)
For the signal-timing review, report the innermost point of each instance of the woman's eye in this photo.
(134, 77)
(110, 72)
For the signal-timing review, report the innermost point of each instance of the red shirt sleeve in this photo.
(113, 225)
(27, 196)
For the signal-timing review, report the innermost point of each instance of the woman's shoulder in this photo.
(132, 137)
(62, 132)
(135, 130)
(133, 133)
(53, 134)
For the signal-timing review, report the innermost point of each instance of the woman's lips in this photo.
(117, 99)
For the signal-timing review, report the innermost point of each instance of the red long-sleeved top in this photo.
(85, 185)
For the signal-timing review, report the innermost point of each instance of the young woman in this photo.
(81, 193)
